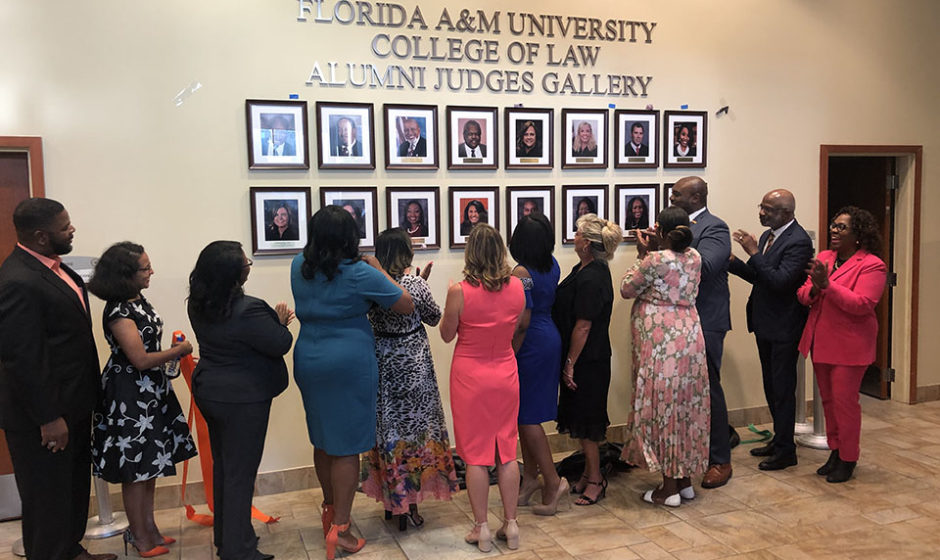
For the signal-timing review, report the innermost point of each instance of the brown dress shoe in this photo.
(716, 475)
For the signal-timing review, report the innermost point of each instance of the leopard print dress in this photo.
(411, 459)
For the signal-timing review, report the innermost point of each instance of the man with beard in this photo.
(48, 382)
(776, 268)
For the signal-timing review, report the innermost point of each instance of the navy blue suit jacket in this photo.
(773, 311)
(712, 239)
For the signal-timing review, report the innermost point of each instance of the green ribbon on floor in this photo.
(765, 435)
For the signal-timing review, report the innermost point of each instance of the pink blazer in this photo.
(842, 327)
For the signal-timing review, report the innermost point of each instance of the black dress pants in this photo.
(719, 444)
(54, 489)
(778, 366)
(236, 435)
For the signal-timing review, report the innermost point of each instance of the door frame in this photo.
(32, 145)
(905, 317)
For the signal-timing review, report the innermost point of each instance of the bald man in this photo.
(712, 239)
(776, 267)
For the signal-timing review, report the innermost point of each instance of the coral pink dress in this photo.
(484, 380)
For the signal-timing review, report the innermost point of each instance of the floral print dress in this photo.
(139, 428)
(669, 424)
(411, 459)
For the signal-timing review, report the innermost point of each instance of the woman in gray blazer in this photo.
(242, 342)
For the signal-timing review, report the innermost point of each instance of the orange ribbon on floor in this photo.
(187, 366)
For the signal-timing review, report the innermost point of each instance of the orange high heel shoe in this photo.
(158, 550)
(332, 541)
(326, 517)
(168, 541)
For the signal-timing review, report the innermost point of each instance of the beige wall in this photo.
(96, 80)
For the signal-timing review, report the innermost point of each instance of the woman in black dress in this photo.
(140, 432)
(581, 311)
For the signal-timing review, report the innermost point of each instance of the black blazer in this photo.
(48, 359)
(462, 150)
(773, 311)
(711, 238)
(241, 359)
(421, 148)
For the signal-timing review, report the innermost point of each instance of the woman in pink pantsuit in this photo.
(842, 290)
(482, 312)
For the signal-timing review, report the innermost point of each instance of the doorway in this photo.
(885, 180)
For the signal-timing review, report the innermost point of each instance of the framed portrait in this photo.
(636, 139)
(522, 201)
(472, 142)
(362, 205)
(578, 200)
(470, 206)
(667, 194)
(277, 134)
(585, 138)
(278, 216)
(635, 207)
(529, 138)
(685, 140)
(417, 210)
(345, 132)
(411, 135)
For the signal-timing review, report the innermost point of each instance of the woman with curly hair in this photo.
(844, 285)
(473, 213)
(482, 312)
(334, 359)
(139, 428)
(411, 460)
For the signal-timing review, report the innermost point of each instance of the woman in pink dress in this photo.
(482, 312)
(669, 424)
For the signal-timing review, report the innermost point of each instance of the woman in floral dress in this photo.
(139, 429)
(411, 460)
(669, 424)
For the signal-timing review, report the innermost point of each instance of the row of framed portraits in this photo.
(279, 214)
(277, 137)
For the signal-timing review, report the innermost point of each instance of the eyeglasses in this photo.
(248, 263)
(767, 209)
(838, 227)
(147, 268)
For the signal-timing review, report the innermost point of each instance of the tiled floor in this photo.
(890, 510)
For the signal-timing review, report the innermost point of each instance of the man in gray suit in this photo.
(711, 238)
(776, 268)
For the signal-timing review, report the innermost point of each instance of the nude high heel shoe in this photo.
(482, 539)
(509, 532)
(552, 507)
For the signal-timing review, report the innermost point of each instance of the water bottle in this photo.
(171, 369)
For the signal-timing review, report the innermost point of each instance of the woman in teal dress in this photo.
(334, 358)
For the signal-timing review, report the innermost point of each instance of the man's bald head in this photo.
(777, 208)
(690, 194)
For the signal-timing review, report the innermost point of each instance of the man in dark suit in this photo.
(347, 142)
(48, 382)
(711, 238)
(414, 145)
(776, 268)
(471, 146)
(636, 147)
(281, 140)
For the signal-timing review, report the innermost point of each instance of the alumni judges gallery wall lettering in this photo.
(419, 57)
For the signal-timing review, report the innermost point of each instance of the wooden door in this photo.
(866, 182)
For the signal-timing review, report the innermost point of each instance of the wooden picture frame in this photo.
(346, 135)
(530, 138)
(426, 230)
(468, 204)
(277, 134)
(521, 201)
(279, 219)
(577, 200)
(643, 126)
(362, 203)
(690, 127)
(411, 136)
(626, 200)
(584, 133)
(461, 140)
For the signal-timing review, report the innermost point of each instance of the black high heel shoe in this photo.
(587, 500)
(830, 463)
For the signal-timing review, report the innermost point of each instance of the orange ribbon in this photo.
(187, 366)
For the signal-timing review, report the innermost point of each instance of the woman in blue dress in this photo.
(538, 352)
(334, 358)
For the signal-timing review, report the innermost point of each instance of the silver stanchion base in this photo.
(19, 549)
(813, 440)
(97, 530)
(802, 428)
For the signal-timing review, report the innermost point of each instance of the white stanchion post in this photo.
(107, 523)
(817, 439)
(802, 426)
